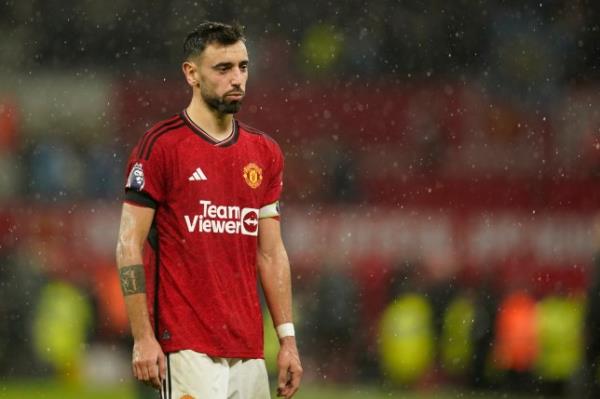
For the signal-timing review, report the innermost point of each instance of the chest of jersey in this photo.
(218, 190)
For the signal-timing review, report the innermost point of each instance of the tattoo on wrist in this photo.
(133, 280)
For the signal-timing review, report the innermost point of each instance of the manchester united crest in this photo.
(253, 175)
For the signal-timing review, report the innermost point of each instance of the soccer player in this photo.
(203, 191)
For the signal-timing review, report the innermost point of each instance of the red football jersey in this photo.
(201, 274)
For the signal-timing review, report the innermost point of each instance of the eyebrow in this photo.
(228, 64)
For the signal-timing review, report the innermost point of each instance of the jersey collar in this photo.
(229, 140)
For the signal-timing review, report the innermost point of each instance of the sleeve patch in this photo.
(135, 181)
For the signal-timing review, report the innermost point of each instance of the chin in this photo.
(232, 107)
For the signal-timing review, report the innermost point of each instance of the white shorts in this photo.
(193, 375)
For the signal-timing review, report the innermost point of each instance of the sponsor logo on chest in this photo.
(223, 219)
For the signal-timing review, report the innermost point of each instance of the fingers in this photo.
(162, 367)
(290, 370)
(292, 377)
(150, 372)
(135, 363)
(294, 383)
(282, 380)
(148, 362)
(284, 391)
(143, 373)
(136, 371)
(153, 374)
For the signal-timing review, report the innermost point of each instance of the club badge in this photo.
(253, 175)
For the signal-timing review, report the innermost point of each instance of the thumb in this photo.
(162, 368)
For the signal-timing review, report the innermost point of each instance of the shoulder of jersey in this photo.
(160, 129)
(259, 134)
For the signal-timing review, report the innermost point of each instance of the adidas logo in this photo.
(198, 175)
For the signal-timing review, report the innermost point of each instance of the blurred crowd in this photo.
(523, 46)
(451, 131)
(488, 87)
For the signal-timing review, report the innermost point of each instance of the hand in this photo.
(148, 362)
(290, 369)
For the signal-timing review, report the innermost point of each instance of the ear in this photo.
(190, 69)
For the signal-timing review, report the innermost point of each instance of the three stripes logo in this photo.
(198, 175)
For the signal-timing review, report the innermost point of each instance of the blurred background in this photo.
(441, 196)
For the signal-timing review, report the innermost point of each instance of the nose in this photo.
(236, 77)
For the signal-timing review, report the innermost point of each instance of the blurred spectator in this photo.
(560, 331)
(406, 339)
(10, 165)
(376, 283)
(21, 282)
(342, 170)
(61, 326)
(9, 121)
(56, 171)
(516, 341)
(320, 49)
(486, 309)
(528, 64)
(455, 341)
(10, 175)
(102, 172)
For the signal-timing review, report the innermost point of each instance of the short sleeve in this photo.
(145, 178)
(270, 204)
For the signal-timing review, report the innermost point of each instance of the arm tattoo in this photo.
(133, 280)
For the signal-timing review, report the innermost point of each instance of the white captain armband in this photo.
(269, 211)
(285, 330)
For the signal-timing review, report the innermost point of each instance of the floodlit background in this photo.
(441, 193)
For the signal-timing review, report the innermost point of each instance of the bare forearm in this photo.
(131, 274)
(274, 269)
(275, 278)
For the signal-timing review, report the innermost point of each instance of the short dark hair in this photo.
(211, 32)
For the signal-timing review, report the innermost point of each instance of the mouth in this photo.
(235, 95)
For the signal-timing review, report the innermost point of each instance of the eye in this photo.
(222, 68)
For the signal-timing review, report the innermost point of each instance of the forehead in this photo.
(216, 53)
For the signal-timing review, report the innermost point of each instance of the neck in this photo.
(217, 125)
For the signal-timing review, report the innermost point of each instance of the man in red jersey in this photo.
(203, 191)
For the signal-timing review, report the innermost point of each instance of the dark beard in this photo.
(222, 107)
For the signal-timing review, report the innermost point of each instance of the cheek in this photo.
(223, 85)
(208, 85)
(202, 85)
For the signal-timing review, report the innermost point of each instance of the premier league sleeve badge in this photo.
(135, 181)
